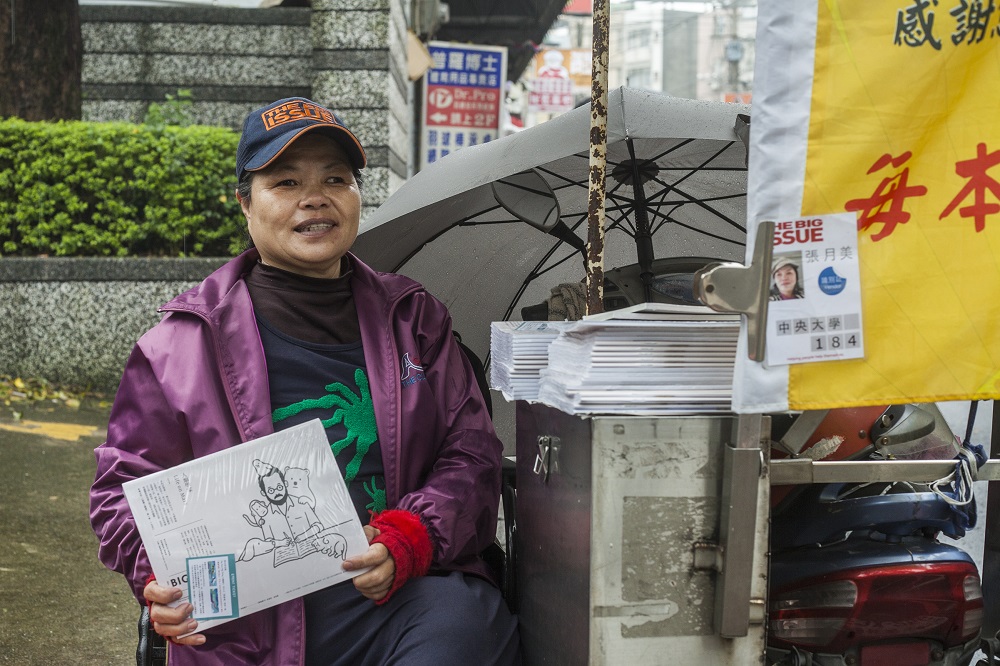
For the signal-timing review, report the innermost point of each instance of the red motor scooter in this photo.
(859, 575)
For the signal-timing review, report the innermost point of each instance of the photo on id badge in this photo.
(786, 277)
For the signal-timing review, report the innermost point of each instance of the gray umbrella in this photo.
(445, 228)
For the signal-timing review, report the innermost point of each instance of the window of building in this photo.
(639, 77)
(637, 38)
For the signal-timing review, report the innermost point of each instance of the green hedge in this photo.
(117, 189)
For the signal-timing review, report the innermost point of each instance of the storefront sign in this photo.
(463, 97)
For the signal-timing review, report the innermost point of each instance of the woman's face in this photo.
(785, 279)
(304, 209)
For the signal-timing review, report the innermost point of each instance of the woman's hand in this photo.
(171, 622)
(376, 582)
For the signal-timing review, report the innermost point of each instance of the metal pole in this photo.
(643, 236)
(740, 535)
(991, 545)
(598, 158)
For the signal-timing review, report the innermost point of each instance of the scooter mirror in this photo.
(528, 197)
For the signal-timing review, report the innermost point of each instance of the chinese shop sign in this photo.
(463, 97)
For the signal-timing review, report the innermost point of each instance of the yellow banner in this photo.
(904, 131)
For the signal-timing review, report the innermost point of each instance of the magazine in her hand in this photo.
(250, 527)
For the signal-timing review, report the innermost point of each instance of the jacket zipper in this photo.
(397, 394)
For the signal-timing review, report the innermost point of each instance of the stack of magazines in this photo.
(518, 352)
(643, 363)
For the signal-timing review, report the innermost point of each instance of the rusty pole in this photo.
(598, 158)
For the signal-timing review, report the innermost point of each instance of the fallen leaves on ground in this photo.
(20, 390)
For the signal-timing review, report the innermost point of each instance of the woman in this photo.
(250, 349)
(785, 280)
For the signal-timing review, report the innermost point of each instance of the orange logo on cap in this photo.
(292, 111)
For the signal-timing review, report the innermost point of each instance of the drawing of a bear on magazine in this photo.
(249, 527)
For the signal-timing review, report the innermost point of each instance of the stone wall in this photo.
(74, 321)
(347, 54)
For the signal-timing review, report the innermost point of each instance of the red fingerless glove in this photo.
(149, 604)
(407, 540)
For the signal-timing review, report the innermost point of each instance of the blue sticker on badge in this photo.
(831, 283)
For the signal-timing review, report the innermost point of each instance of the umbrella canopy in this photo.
(445, 228)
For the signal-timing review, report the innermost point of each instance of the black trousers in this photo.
(432, 620)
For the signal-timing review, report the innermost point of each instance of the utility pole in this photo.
(598, 158)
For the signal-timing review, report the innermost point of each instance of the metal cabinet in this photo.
(640, 540)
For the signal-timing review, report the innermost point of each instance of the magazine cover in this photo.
(249, 527)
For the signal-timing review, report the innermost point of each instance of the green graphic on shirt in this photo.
(355, 410)
(378, 503)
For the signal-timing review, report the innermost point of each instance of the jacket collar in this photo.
(369, 283)
(212, 291)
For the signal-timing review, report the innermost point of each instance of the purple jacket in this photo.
(196, 383)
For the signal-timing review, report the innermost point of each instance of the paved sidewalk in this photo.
(58, 604)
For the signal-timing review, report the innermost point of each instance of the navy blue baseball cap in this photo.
(270, 129)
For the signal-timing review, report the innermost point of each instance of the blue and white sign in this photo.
(463, 98)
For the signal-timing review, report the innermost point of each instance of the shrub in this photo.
(176, 110)
(117, 189)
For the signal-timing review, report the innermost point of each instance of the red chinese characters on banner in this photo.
(978, 181)
(886, 206)
(458, 106)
